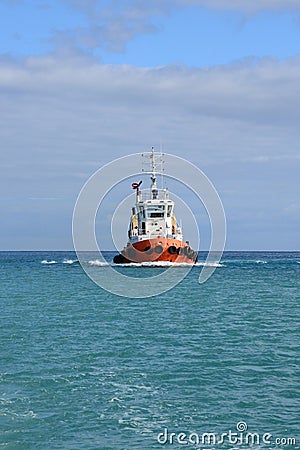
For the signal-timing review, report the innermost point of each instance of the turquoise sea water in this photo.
(83, 369)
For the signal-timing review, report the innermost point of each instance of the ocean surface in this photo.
(83, 369)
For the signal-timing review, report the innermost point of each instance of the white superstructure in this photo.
(153, 213)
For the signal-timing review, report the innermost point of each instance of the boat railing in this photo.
(161, 194)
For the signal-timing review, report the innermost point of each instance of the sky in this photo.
(83, 82)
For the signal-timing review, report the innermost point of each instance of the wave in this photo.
(261, 261)
(210, 264)
(100, 263)
(65, 261)
(153, 264)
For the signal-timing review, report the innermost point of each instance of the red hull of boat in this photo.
(158, 250)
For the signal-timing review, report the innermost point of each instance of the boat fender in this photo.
(118, 259)
(180, 251)
(172, 250)
(131, 253)
(159, 249)
(190, 253)
(186, 250)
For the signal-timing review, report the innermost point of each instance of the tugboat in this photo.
(154, 234)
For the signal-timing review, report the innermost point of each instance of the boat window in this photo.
(156, 208)
(142, 212)
(169, 210)
(154, 193)
(155, 211)
(156, 214)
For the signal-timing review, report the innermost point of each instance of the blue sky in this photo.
(216, 82)
(192, 35)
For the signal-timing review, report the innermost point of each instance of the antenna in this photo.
(152, 163)
(153, 175)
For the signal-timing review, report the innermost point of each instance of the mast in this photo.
(153, 172)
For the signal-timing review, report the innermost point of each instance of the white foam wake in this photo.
(99, 263)
(209, 264)
(153, 264)
(69, 261)
(45, 261)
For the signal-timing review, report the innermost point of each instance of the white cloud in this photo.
(87, 100)
(61, 119)
(113, 24)
(110, 26)
(111, 36)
